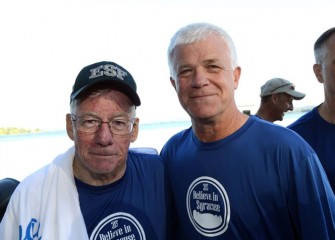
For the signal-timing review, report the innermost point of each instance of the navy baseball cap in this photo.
(108, 73)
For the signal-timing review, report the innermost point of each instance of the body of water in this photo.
(23, 154)
(20, 155)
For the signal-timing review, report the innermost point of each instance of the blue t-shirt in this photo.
(132, 207)
(320, 134)
(261, 182)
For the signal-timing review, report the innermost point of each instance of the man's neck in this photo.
(219, 129)
(262, 114)
(327, 111)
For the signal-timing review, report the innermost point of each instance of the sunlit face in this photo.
(205, 81)
(102, 153)
(284, 103)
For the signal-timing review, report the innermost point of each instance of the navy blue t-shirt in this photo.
(320, 134)
(261, 182)
(132, 207)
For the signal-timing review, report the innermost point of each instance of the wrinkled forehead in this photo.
(97, 97)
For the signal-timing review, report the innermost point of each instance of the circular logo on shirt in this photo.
(208, 206)
(118, 226)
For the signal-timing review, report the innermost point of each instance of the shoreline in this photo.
(22, 131)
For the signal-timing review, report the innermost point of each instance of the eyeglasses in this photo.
(90, 124)
(292, 86)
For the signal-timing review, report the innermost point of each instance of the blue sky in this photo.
(44, 44)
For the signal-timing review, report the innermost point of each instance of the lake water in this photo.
(21, 155)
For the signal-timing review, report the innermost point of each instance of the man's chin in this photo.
(282, 117)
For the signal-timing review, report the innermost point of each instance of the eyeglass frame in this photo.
(292, 86)
(74, 118)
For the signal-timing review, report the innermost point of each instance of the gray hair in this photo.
(131, 108)
(196, 32)
(319, 45)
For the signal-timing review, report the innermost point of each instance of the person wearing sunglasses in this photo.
(99, 188)
(277, 97)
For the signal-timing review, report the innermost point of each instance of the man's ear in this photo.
(134, 133)
(237, 74)
(317, 68)
(173, 83)
(274, 98)
(69, 126)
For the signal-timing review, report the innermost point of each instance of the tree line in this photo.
(13, 130)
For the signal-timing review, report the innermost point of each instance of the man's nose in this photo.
(104, 136)
(290, 107)
(199, 78)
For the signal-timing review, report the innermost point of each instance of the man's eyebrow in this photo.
(88, 114)
(207, 61)
(120, 114)
(183, 65)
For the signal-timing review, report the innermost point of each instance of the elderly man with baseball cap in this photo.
(98, 189)
(277, 97)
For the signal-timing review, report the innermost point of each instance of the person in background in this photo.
(277, 97)
(98, 189)
(317, 126)
(233, 176)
